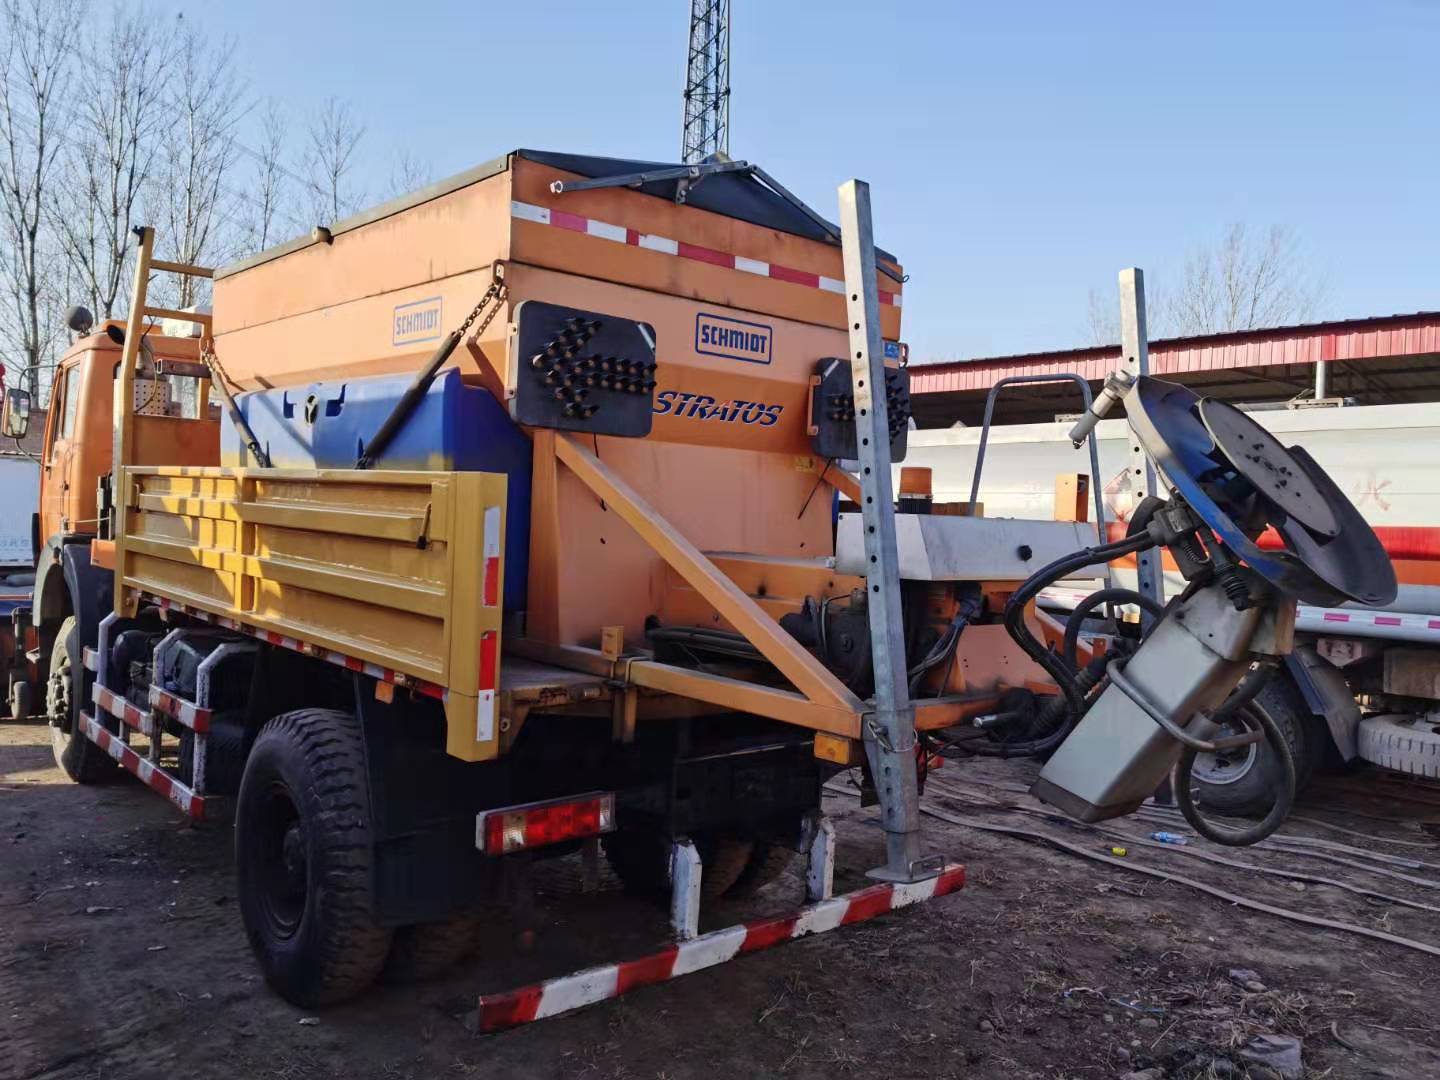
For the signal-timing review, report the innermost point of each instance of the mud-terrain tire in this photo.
(1406, 747)
(303, 858)
(641, 860)
(772, 855)
(1245, 787)
(426, 951)
(79, 758)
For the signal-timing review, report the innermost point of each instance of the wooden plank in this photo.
(810, 676)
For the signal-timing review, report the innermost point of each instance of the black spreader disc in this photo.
(1271, 470)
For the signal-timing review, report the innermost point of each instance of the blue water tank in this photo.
(455, 428)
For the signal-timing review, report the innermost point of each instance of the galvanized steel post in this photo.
(889, 731)
(1135, 361)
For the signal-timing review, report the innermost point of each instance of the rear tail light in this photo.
(516, 828)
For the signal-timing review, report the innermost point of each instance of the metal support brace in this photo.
(685, 889)
(889, 731)
(1135, 361)
(820, 857)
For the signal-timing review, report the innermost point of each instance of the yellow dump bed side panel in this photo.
(398, 569)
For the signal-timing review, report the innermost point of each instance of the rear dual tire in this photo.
(303, 854)
(732, 866)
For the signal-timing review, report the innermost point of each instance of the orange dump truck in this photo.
(499, 521)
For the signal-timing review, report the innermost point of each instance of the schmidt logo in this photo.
(716, 335)
(416, 322)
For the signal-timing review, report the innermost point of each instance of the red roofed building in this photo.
(1377, 361)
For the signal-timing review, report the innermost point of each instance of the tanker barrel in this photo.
(408, 401)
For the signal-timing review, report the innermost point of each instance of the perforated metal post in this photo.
(1135, 360)
(889, 730)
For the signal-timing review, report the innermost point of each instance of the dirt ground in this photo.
(122, 955)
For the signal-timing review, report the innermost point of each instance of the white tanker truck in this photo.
(1363, 683)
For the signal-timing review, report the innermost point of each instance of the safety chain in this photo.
(495, 292)
(212, 361)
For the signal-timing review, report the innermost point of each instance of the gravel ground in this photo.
(122, 955)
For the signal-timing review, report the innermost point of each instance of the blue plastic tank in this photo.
(456, 428)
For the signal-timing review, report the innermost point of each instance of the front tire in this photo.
(303, 854)
(79, 758)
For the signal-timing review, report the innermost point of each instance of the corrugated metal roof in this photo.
(1413, 334)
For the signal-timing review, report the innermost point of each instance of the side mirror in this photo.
(15, 419)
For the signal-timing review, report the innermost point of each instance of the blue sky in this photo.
(1019, 154)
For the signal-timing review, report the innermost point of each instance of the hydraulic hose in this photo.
(1054, 665)
(1056, 709)
(1279, 811)
(1114, 595)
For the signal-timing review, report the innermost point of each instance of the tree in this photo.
(1103, 320)
(121, 109)
(188, 201)
(38, 66)
(271, 184)
(1243, 283)
(334, 138)
(407, 175)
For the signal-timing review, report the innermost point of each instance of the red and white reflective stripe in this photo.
(561, 219)
(90, 658)
(1393, 624)
(180, 710)
(122, 710)
(486, 704)
(350, 663)
(490, 592)
(500, 1011)
(155, 778)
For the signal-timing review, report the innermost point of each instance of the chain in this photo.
(210, 360)
(495, 292)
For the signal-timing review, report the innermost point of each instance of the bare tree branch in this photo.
(188, 201)
(121, 109)
(38, 63)
(334, 138)
(1243, 284)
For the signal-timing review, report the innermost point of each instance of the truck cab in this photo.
(70, 595)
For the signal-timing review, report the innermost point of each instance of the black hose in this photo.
(1284, 798)
(1089, 604)
(970, 605)
(1055, 709)
(1054, 666)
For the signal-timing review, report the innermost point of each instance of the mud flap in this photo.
(1327, 694)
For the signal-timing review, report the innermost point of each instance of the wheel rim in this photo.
(57, 688)
(283, 865)
(1221, 767)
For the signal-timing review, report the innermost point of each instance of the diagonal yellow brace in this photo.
(810, 677)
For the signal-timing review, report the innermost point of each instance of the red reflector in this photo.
(538, 824)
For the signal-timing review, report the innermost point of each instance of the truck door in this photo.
(59, 452)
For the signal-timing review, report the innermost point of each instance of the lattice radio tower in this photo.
(707, 82)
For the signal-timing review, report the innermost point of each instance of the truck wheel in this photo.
(1406, 744)
(641, 860)
(1242, 782)
(81, 759)
(768, 862)
(770, 858)
(303, 858)
(19, 701)
(427, 950)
